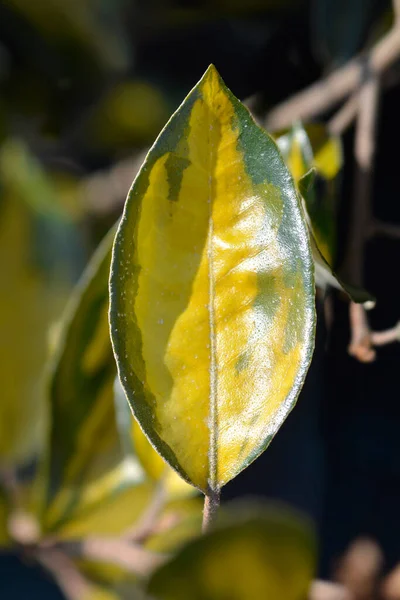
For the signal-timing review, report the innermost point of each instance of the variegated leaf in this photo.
(212, 290)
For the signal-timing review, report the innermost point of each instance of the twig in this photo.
(363, 340)
(396, 9)
(364, 151)
(345, 115)
(327, 92)
(325, 590)
(381, 338)
(73, 584)
(131, 557)
(360, 344)
(389, 230)
(211, 505)
(147, 523)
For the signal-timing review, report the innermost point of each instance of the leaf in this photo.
(137, 445)
(29, 303)
(324, 274)
(314, 157)
(309, 147)
(264, 554)
(116, 512)
(212, 291)
(83, 441)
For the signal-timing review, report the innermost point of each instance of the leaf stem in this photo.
(211, 505)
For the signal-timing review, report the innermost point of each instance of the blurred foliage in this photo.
(255, 553)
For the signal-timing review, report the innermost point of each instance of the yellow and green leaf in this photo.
(309, 147)
(83, 441)
(268, 554)
(138, 446)
(315, 159)
(212, 289)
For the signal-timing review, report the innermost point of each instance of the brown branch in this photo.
(329, 91)
(396, 10)
(381, 338)
(377, 228)
(363, 339)
(122, 553)
(147, 523)
(211, 505)
(72, 583)
(364, 151)
(324, 590)
(345, 115)
(360, 346)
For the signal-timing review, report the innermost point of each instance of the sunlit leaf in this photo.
(113, 514)
(137, 445)
(267, 554)
(212, 291)
(83, 442)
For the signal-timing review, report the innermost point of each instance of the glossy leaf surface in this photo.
(266, 555)
(212, 291)
(84, 442)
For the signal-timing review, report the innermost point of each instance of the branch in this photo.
(378, 227)
(360, 346)
(122, 553)
(324, 590)
(211, 505)
(72, 583)
(363, 340)
(345, 115)
(147, 523)
(364, 151)
(329, 91)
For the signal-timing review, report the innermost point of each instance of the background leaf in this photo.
(83, 443)
(212, 291)
(259, 554)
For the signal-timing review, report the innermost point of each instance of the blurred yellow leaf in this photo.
(256, 554)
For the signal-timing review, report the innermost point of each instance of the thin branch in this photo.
(325, 590)
(72, 583)
(396, 9)
(147, 523)
(345, 115)
(381, 338)
(211, 505)
(380, 228)
(329, 91)
(364, 151)
(360, 346)
(122, 553)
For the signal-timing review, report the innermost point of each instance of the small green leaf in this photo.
(266, 553)
(212, 289)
